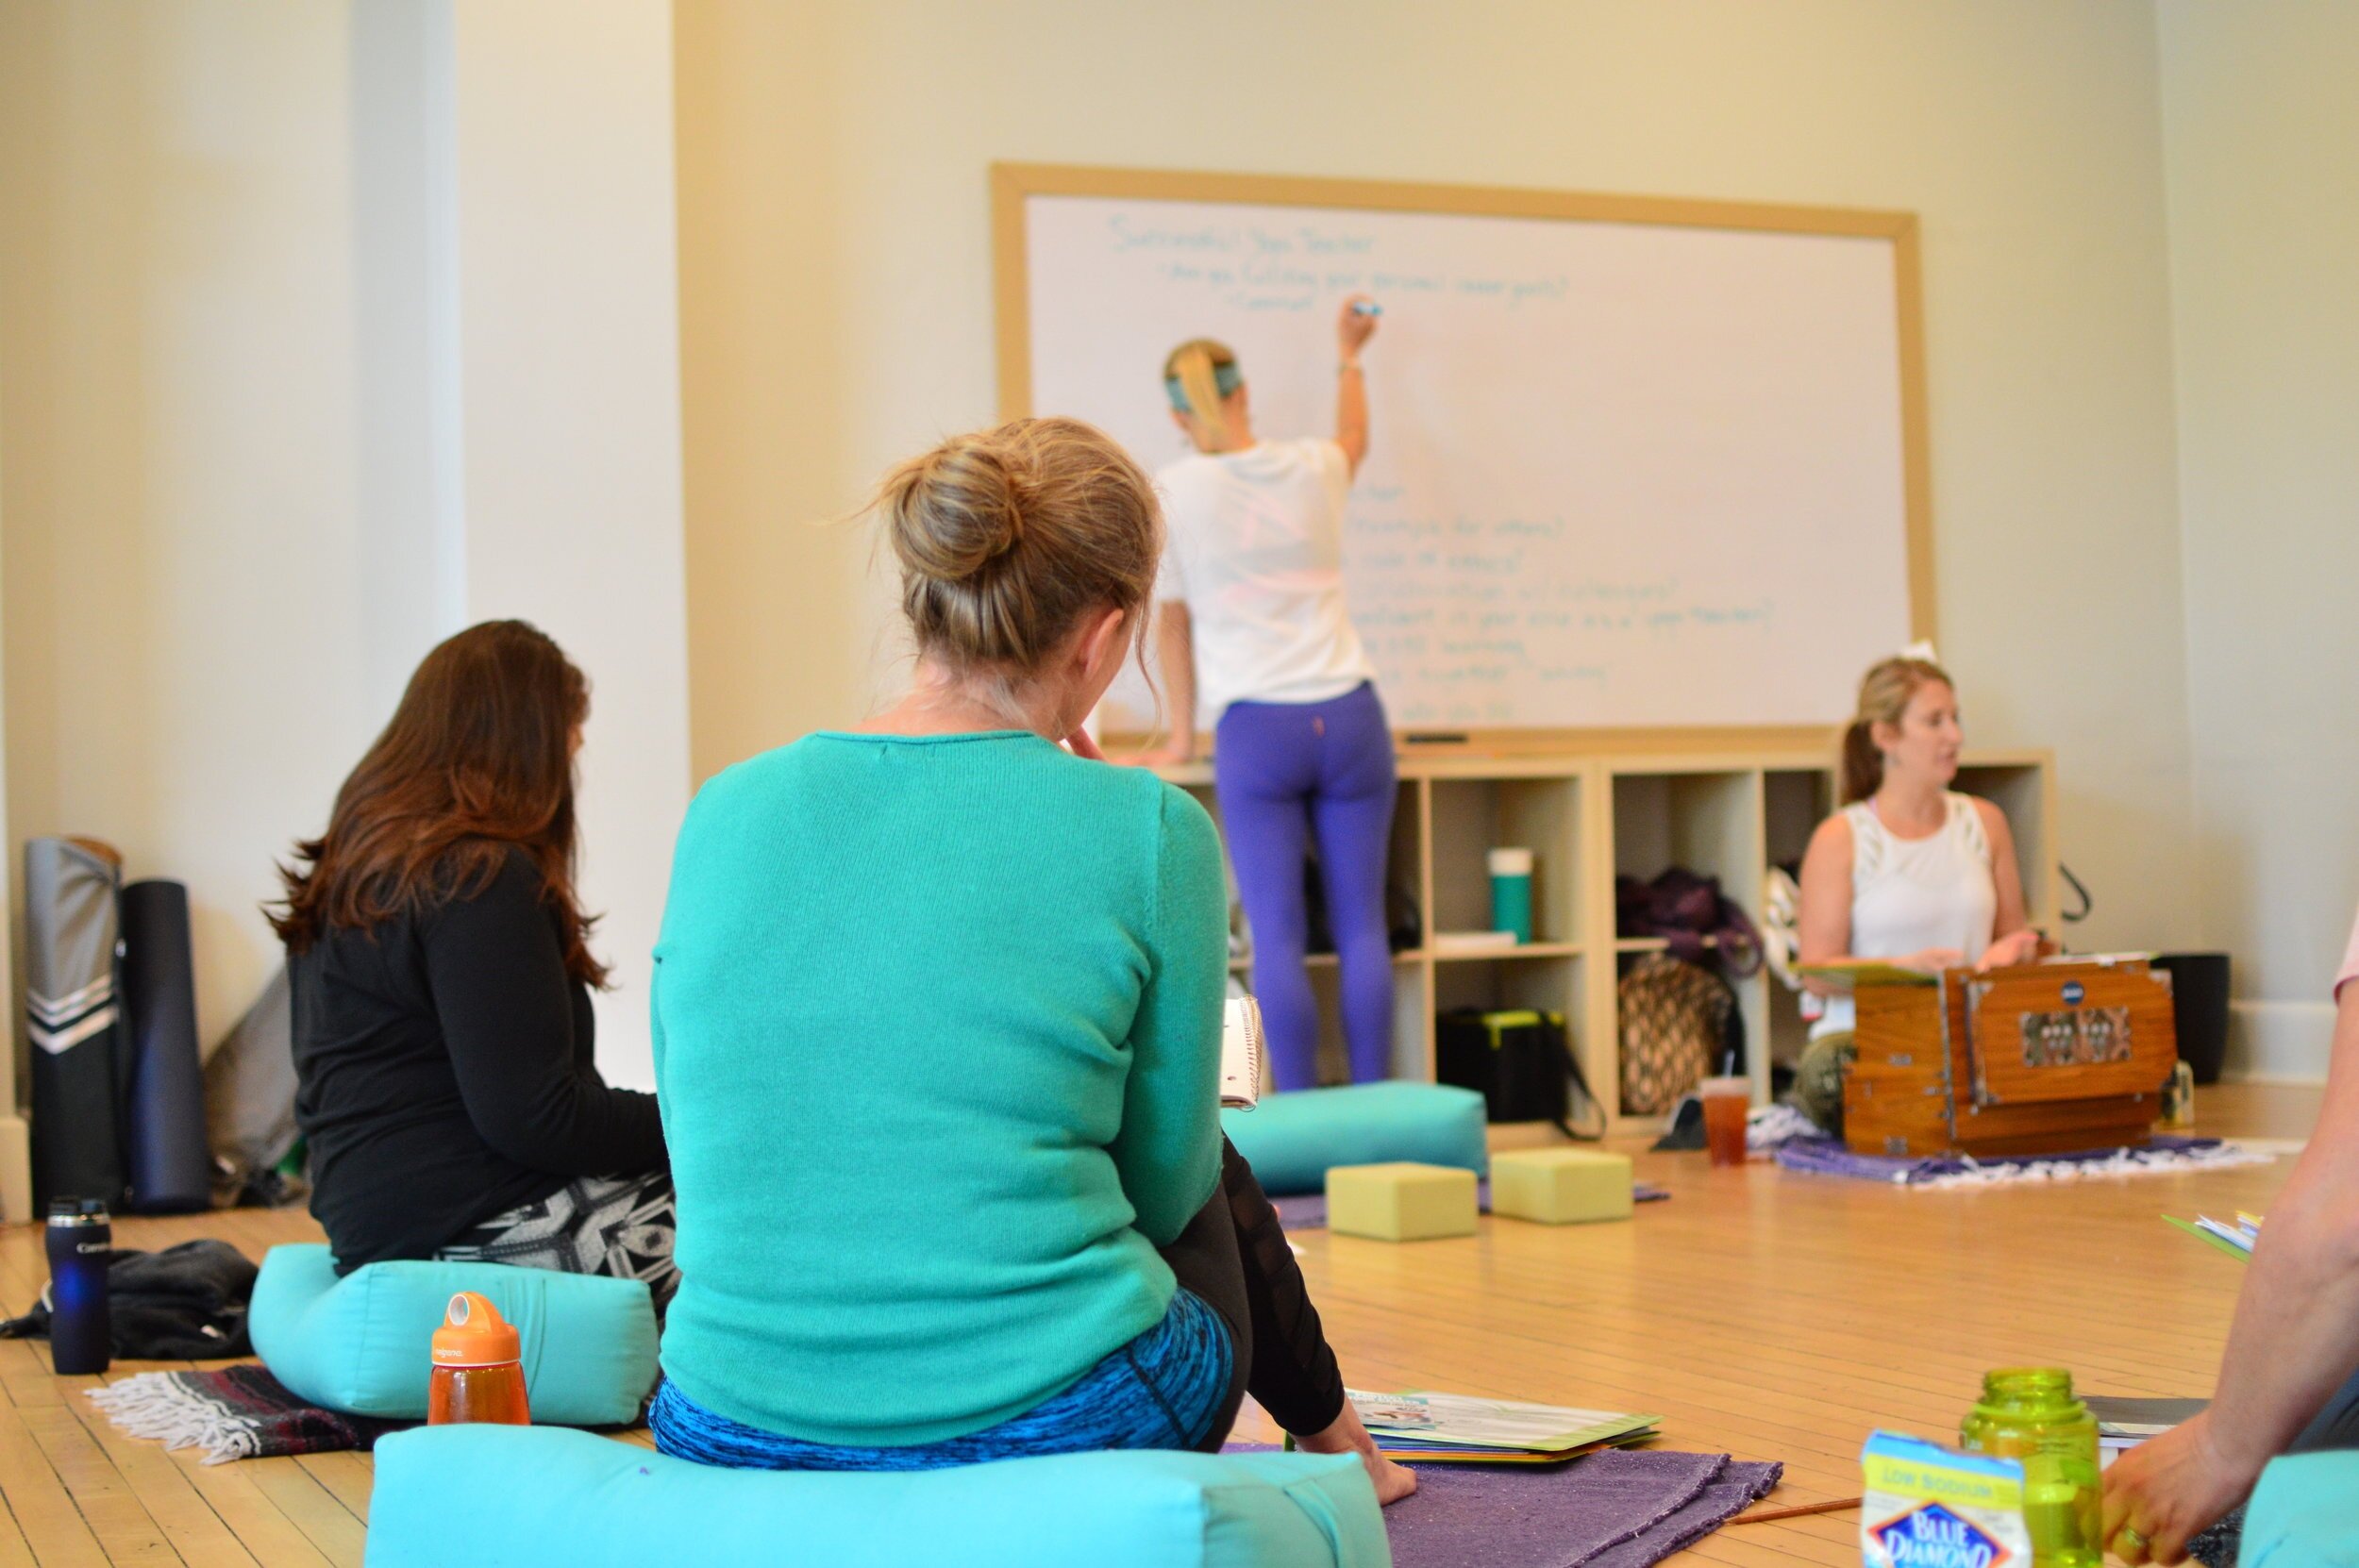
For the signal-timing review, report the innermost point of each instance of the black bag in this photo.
(185, 1303)
(1521, 1063)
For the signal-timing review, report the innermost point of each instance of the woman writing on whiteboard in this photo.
(1909, 872)
(1253, 631)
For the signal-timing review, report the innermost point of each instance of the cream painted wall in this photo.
(840, 147)
(328, 328)
(182, 564)
(2262, 133)
(775, 630)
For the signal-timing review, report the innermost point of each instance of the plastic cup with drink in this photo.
(1727, 1099)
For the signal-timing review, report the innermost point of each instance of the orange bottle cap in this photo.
(474, 1334)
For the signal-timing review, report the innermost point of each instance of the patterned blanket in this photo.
(239, 1412)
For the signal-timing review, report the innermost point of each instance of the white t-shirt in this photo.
(1908, 894)
(1256, 552)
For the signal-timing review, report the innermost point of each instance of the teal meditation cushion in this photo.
(2305, 1513)
(1289, 1140)
(360, 1344)
(475, 1496)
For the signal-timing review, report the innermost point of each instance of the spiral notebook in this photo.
(1241, 1054)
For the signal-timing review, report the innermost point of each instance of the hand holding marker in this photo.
(1354, 328)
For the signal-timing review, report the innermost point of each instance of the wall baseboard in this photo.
(16, 1171)
(2279, 1041)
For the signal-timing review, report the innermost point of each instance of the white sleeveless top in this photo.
(1908, 894)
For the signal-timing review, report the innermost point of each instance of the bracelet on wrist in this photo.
(1347, 367)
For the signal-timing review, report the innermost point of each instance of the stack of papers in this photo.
(1453, 1428)
(1242, 1048)
(2234, 1240)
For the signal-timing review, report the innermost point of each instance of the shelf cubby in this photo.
(1474, 816)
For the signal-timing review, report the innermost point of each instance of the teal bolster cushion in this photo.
(361, 1344)
(1289, 1140)
(2305, 1513)
(474, 1496)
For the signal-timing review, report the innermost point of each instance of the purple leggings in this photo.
(1284, 772)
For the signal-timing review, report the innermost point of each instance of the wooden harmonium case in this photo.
(2042, 1058)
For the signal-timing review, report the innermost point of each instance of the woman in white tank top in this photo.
(1909, 871)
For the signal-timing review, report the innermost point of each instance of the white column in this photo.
(16, 1149)
(564, 265)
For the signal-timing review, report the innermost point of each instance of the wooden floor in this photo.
(1773, 1316)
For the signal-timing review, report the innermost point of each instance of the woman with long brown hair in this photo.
(442, 975)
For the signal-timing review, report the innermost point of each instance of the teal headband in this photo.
(1226, 379)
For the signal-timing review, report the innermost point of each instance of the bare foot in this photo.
(1345, 1435)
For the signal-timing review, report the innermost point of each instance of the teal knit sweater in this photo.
(937, 1037)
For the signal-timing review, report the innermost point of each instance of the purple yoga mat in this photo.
(1308, 1211)
(1622, 1507)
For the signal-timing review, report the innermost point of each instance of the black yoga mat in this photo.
(170, 1168)
(73, 1020)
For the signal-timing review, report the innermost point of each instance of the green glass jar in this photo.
(2030, 1413)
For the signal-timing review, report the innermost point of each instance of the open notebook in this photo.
(1241, 1054)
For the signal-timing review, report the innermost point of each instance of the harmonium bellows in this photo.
(2042, 1059)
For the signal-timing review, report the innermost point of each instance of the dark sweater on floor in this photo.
(445, 1070)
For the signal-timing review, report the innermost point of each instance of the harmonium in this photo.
(2041, 1058)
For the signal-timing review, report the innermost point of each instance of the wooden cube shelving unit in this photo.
(1588, 817)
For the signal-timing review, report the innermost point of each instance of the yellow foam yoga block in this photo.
(1401, 1201)
(1561, 1186)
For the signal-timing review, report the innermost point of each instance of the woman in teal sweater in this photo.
(937, 1022)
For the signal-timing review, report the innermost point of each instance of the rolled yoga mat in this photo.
(170, 1167)
(73, 1020)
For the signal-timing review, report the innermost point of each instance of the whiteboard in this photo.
(1624, 473)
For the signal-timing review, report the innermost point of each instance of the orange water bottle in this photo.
(478, 1367)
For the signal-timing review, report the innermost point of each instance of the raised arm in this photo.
(2294, 1342)
(1353, 328)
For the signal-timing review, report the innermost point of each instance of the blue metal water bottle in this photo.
(81, 1240)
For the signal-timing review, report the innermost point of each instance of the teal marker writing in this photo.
(1366, 307)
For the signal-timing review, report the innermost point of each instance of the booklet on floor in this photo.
(1454, 1426)
(2122, 1423)
(2235, 1240)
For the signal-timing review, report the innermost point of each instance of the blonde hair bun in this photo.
(955, 510)
(1008, 537)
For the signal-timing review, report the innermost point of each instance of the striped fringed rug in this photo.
(239, 1412)
(2164, 1156)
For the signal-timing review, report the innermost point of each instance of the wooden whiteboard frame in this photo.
(1013, 184)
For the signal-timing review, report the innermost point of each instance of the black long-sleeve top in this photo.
(444, 1070)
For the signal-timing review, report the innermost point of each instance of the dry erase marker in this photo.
(1366, 307)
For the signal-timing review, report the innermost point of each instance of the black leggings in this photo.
(1234, 1255)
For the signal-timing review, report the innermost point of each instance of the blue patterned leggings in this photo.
(1160, 1390)
(1241, 1320)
